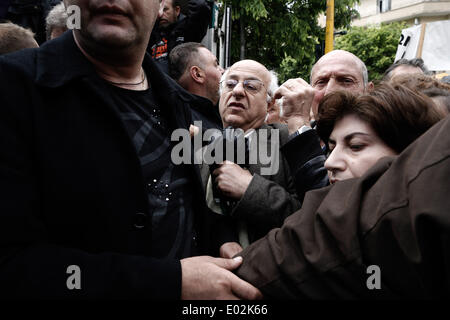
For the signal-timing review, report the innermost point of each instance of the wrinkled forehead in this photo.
(249, 69)
(338, 65)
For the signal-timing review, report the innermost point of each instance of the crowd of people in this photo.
(87, 175)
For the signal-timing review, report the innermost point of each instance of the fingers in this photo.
(222, 167)
(243, 289)
(297, 96)
(281, 92)
(230, 249)
(291, 85)
(229, 264)
(193, 130)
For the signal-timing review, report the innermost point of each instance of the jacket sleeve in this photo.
(197, 20)
(266, 203)
(395, 217)
(31, 263)
(306, 162)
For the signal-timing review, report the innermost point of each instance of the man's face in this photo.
(338, 71)
(213, 73)
(240, 107)
(170, 14)
(116, 23)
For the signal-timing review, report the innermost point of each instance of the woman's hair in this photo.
(397, 114)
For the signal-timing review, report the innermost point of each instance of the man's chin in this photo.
(233, 121)
(111, 37)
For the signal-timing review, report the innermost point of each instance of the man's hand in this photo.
(193, 130)
(300, 103)
(208, 278)
(232, 180)
(230, 249)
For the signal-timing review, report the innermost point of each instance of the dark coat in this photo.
(203, 110)
(269, 199)
(396, 217)
(306, 161)
(71, 185)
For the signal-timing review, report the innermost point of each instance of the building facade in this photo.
(374, 12)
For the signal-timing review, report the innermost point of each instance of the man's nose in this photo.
(331, 86)
(239, 90)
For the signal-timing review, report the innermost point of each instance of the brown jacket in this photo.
(396, 217)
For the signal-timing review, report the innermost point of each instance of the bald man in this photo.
(262, 200)
(337, 70)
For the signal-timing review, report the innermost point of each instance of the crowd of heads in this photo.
(383, 120)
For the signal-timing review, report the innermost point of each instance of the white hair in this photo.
(56, 18)
(273, 86)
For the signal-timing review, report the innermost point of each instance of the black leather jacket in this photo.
(306, 161)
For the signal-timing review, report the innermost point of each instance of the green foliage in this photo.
(282, 34)
(376, 46)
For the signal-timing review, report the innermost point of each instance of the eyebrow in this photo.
(349, 137)
(326, 75)
(234, 76)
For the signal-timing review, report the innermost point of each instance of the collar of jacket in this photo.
(206, 107)
(60, 61)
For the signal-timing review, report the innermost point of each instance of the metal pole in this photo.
(228, 38)
(329, 33)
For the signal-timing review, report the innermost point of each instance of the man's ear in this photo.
(161, 8)
(370, 86)
(177, 10)
(197, 74)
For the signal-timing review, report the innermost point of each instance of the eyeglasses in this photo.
(252, 86)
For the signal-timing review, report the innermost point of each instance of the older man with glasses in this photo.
(261, 201)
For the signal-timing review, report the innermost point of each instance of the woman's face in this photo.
(354, 147)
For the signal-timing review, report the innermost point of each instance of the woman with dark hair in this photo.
(359, 130)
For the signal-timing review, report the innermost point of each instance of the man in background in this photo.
(197, 70)
(174, 28)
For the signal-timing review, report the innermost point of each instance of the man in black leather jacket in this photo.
(174, 28)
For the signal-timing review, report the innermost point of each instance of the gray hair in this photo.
(56, 18)
(416, 62)
(273, 86)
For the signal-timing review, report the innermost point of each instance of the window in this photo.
(383, 6)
